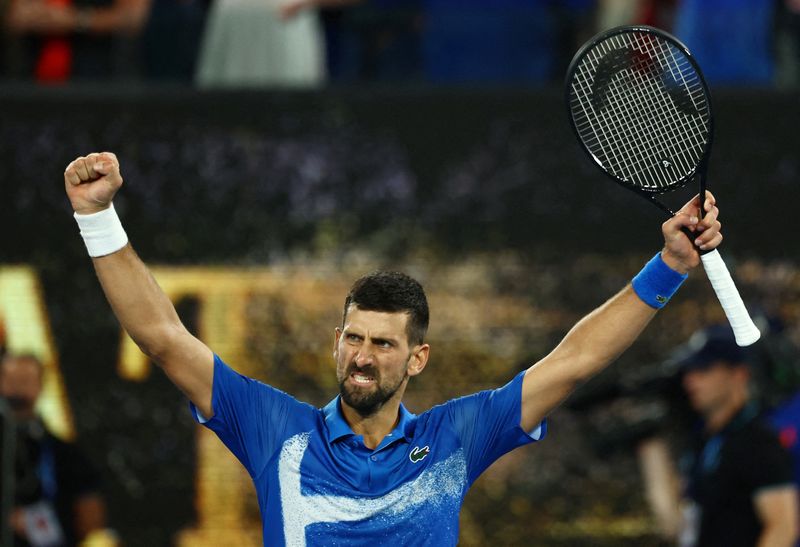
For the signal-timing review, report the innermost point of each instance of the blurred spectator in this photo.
(376, 41)
(170, 40)
(494, 42)
(263, 42)
(732, 39)
(739, 488)
(56, 495)
(614, 13)
(54, 41)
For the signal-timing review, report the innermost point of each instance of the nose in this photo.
(364, 356)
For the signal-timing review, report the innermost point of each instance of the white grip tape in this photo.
(102, 232)
(744, 329)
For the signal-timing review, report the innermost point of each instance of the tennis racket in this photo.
(641, 109)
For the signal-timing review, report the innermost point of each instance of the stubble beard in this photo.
(367, 403)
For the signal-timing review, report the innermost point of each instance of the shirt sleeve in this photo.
(251, 418)
(488, 425)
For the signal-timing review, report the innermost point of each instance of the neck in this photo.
(375, 426)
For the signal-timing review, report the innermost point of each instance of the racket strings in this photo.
(696, 132)
(652, 146)
(696, 94)
(609, 133)
(648, 122)
(656, 145)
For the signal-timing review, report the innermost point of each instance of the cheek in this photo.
(342, 358)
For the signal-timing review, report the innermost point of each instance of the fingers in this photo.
(81, 170)
(675, 228)
(71, 176)
(91, 168)
(105, 163)
(91, 182)
(693, 205)
(709, 228)
(704, 233)
(710, 201)
(709, 241)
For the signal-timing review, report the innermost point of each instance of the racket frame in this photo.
(700, 169)
(745, 331)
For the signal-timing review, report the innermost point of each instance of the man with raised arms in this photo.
(363, 470)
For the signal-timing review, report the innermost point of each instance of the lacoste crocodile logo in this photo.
(418, 454)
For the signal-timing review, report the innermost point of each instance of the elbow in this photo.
(161, 341)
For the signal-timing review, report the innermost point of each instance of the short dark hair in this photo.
(391, 292)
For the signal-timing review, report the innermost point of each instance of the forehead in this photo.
(376, 322)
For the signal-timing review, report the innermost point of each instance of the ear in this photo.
(418, 359)
(336, 336)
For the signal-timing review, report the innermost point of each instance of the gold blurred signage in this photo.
(225, 514)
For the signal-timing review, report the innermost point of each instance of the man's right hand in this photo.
(92, 181)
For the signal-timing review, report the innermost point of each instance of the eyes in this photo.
(357, 339)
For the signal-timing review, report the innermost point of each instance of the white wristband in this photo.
(102, 232)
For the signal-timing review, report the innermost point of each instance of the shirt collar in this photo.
(338, 428)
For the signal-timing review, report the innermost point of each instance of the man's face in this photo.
(712, 387)
(372, 358)
(20, 384)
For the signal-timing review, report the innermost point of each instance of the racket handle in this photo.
(744, 329)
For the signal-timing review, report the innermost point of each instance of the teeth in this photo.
(361, 379)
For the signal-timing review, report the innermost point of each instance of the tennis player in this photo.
(363, 470)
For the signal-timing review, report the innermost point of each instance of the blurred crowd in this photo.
(312, 43)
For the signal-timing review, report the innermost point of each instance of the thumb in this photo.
(102, 167)
(680, 221)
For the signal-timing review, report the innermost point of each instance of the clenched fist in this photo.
(92, 181)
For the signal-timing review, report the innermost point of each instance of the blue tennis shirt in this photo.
(318, 484)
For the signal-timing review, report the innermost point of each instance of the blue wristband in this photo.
(657, 282)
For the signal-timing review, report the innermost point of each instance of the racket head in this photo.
(640, 108)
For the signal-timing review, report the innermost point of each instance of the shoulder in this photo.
(486, 402)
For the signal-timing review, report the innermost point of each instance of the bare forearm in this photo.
(600, 337)
(777, 536)
(592, 344)
(661, 485)
(141, 307)
(777, 508)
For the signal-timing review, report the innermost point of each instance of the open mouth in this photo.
(361, 379)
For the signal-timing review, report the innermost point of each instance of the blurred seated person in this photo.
(258, 43)
(494, 41)
(737, 484)
(170, 40)
(56, 490)
(731, 39)
(54, 41)
(375, 41)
